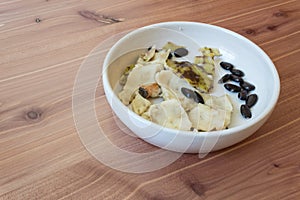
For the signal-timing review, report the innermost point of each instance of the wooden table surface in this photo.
(44, 42)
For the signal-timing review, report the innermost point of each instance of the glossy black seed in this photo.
(226, 65)
(247, 86)
(180, 52)
(243, 95)
(236, 78)
(251, 100)
(198, 98)
(237, 72)
(188, 93)
(245, 111)
(225, 78)
(149, 48)
(170, 56)
(143, 92)
(232, 88)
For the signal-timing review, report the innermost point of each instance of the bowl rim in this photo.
(265, 112)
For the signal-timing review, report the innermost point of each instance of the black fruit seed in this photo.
(198, 98)
(242, 95)
(251, 100)
(143, 92)
(226, 65)
(236, 78)
(237, 72)
(245, 111)
(188, 93)
(225, 78)
(180, 52)
(232, 88)
(247, 86)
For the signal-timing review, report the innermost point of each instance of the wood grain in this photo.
(43, 44)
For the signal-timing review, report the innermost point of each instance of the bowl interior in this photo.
(234, 48)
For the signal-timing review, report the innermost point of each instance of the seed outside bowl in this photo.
(235, 49)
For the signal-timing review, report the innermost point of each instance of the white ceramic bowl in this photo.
(236, 49)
